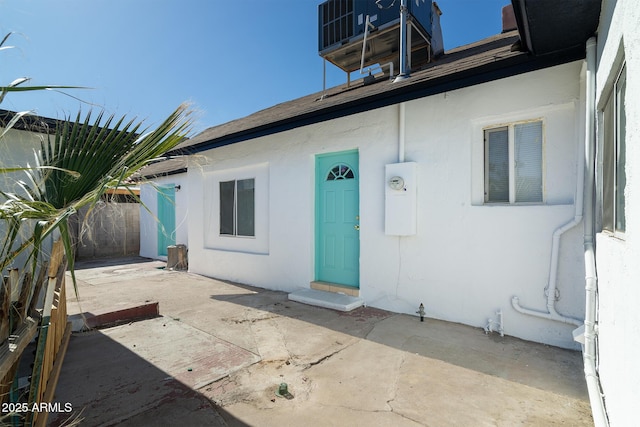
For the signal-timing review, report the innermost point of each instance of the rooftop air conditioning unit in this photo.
(341, 29)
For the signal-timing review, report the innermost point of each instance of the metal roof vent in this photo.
(353, 34)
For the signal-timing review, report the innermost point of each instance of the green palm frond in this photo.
(77, 166)
(103, 155)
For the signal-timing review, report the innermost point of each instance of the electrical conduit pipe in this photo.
(401, 131)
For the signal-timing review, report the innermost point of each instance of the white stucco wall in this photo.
(467, 259)
(17, 149)
(148, 215)
(617, 259)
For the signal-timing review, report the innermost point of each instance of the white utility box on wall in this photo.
(400, 199)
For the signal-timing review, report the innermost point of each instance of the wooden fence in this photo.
(20, 322)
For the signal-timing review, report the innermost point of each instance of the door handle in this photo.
(357, 226)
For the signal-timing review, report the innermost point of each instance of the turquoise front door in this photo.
(166, 218)
(337, 219)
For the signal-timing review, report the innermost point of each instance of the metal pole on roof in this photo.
(404, 69)
(324, 78)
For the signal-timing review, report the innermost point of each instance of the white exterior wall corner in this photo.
(617, 260)
(17, 149)
(149, 212)
(467, 260)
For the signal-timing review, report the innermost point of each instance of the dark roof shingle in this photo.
(486, 60)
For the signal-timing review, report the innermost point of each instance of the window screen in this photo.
(497, 165)
(528, 162)
(246, 207)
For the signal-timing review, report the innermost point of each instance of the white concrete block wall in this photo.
(467, 260)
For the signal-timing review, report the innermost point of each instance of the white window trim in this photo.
(610, 94)
(212, 239)
(512, 162)
(554, 117)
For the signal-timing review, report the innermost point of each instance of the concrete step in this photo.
(332, 300)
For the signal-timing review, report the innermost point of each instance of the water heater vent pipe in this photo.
(404, 69)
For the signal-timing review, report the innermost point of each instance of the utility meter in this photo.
(400, 199)
(396, 183)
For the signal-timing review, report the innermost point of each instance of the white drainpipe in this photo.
(552, 313)
(591, 279)
(586, 178)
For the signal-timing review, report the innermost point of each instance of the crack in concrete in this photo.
(396, 385)
(247, 320)
(373, 411)
(328, 356)
(284, 342)
(396, 382)
(401, 415)
(270, 340)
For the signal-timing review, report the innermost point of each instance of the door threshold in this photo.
(335, 288)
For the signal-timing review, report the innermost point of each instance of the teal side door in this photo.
(166, 218)
(337, 237)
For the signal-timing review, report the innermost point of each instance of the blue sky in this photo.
(143, 58)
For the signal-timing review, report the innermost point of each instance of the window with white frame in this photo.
(513, 163)
(614, 157)
(237, 207)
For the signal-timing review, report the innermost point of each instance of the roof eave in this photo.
(500, 69)
(547, 26)
(29, 122)
(164, 174)
(522, 22)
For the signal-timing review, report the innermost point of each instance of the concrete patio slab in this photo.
(152, 359)
(362, 367)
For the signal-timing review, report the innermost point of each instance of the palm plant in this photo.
(74, 168)
(83, 160)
